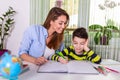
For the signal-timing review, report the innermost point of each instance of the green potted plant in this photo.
(6, 25)
(103, 33)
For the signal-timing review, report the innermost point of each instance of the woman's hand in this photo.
(86, 48)
(62, 60)
(40, 60)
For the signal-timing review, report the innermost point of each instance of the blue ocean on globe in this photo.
(10, 66)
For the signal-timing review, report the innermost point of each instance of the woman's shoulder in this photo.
(36, 28)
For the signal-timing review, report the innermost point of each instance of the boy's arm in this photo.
(57, 55)
(91, 56)
(54, 57)
(63, 53)
(60, 56)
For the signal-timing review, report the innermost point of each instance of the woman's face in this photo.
(59, 24)
(78, 44)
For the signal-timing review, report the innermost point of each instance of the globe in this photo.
(10, 66)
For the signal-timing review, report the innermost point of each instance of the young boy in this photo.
(79, 50)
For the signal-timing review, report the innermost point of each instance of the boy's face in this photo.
(78, 44)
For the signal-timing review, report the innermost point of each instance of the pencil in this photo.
(103, 70)
(112, 70)
(100, 70)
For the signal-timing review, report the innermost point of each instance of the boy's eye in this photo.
(60, 23)
(82, 43)
(74, 43)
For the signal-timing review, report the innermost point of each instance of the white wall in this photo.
(21, 21)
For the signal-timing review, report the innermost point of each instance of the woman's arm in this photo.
(29, 49)
(37, 61)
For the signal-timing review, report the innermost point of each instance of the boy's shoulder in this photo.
(71, 47)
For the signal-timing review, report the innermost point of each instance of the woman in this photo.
(39, 42)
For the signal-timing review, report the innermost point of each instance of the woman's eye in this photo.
(60, 23)
(65, 23)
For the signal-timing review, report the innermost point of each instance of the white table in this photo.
(33, 75)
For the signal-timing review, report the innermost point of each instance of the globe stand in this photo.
(14, 78)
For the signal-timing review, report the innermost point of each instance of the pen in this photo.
(60, 54)
(112, 70)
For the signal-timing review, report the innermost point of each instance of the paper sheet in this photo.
(71, 67)
(52, 66)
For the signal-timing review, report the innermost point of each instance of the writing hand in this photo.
(62, 60)
(40, 60)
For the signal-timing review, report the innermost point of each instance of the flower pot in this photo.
(3, 51)
(104, 40)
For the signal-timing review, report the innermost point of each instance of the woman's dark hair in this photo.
(81, 33)
(53, 15)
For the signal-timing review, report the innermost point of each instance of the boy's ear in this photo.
(87, 40)
(72, 41)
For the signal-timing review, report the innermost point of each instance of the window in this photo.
(39, 10)
(71, 6)
(105, 12)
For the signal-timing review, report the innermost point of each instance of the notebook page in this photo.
(82, 67)
(52, 66)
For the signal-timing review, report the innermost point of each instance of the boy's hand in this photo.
(86, 48)
(62, 60)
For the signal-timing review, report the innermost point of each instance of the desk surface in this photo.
(33, 75)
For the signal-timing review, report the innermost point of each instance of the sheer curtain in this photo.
(83, 13)
(38, 11)
(77, 9)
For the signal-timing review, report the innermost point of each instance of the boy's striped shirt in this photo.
(70, 53)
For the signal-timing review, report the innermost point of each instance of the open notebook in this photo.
(82, 67)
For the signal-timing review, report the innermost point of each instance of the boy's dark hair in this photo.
(81, 33)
